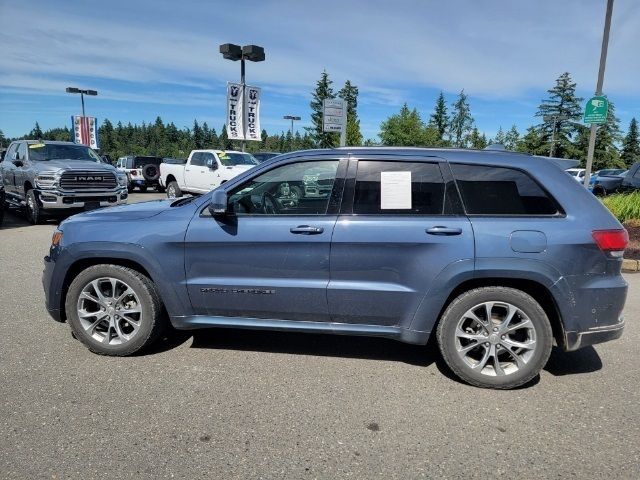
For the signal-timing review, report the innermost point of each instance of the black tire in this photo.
(152, 320)
(143, 188)
(33, 209)
(599, 191)
(446, 335)
(173, 190)
(151, 172)
(129, 187)
(159, 188)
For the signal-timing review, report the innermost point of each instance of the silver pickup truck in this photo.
(46, 177)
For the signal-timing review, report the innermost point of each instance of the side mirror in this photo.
(18, 163)
(218, 205)
(211, 163)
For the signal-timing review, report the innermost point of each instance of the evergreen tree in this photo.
(631, 145)
(349, 93)
(106, 137)
(476, 140)
(223, 140)
(461, 123)
(36, 133)
(440, 118)
(532, 142)
(558, 112)
(406, 128)
(500, 137)
(198, 136)
(323, 90)
(511, 138)
(3, 140)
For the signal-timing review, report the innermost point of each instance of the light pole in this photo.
(554, 119)
(82, 94)
(253, 53)
(603, 61)
(292, 118)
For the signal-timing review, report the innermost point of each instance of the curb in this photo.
(630, 266)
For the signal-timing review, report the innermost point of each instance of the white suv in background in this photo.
(142, 172)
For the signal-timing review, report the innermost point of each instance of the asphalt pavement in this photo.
(239, 404)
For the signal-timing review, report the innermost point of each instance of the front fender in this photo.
(168, 277)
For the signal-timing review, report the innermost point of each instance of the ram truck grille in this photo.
(85, 179)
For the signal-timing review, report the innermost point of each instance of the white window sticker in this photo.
(395, 190)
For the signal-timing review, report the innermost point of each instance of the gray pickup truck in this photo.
(46, 177)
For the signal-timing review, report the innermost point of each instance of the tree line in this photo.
(558, 130)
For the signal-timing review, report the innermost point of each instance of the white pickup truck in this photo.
(204, 171)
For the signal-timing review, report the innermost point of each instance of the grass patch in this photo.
(625, 206)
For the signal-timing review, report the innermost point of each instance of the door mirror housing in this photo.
(211, 163)
(218, 205)
(18, 163)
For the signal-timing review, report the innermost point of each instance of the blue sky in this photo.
(149, 58)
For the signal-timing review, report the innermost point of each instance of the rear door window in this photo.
(488, 190)
(398, 188)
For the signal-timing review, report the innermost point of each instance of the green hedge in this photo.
(625, 206)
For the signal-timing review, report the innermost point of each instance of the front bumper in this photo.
(52, 293)
(60, 200)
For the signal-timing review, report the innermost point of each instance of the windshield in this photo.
(43, 152)
(229, 159)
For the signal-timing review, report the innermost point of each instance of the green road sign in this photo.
(596, 110)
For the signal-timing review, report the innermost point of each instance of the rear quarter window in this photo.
(488, 190)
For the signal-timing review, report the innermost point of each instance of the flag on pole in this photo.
(85, 131)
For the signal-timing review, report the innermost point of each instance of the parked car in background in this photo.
(577, 173)
(47, 177)
(495, 254)
(204, 171)
(631, 180)
(606, 184)
(262, 156)
(606, 172)
(143, 172)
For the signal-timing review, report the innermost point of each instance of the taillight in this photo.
(611, 241)
(134, 172)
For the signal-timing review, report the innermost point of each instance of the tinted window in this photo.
(22, 152)
(376, 192)
(140, 162)
(8, 156)
(44, 152)
(295, 189)
(501, 191)
(197, 159)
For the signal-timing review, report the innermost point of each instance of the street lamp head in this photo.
(231, 51)
(73, 90)
(253, 53)
(90, 92)
(291, 117)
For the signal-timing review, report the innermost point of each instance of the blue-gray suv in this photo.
(496, 254)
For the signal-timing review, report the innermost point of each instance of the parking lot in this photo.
(242, 404)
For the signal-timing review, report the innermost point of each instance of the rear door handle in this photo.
(306, 230)
(440, 230)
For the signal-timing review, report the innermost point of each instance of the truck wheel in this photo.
(173, 190)
(495, 337)
(34, 212)
(143, 188)
(159, 188)
(114, 310)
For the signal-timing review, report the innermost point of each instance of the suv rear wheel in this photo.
(495, 337)
(114, 310)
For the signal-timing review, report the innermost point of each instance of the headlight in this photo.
(122, 179)
(47, 181)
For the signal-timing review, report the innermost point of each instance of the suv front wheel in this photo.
(495, 337)
(114, 310)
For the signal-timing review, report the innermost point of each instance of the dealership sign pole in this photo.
(596, 110)
(334, 118)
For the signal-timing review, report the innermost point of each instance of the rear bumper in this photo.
(576, 340)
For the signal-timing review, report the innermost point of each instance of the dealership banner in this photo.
(252, 113)
(235, 115)
(85, 130)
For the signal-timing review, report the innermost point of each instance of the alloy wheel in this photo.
(495, 338)
(109, 310)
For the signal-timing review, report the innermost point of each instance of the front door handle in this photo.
(306, 230)
(440, 230)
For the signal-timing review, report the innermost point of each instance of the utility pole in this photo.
(603, 61)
